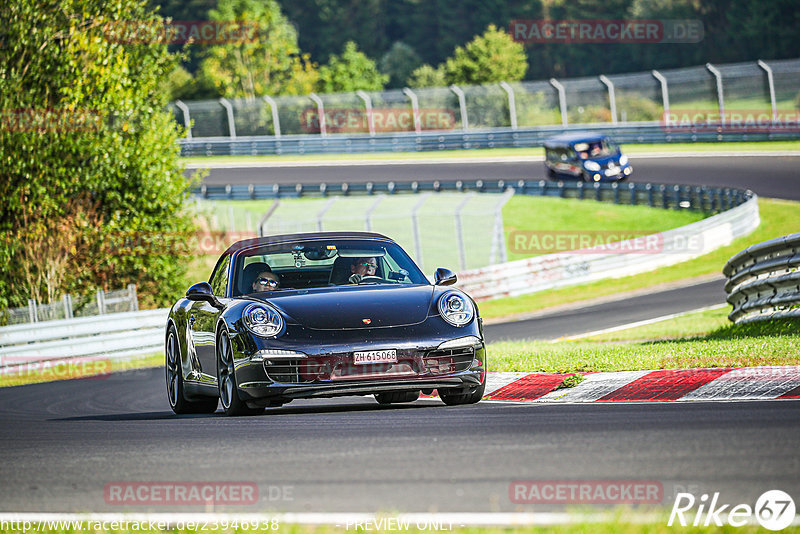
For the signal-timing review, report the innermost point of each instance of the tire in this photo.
(395, 397)
(458, 396)
(175, 386)
(226, 381)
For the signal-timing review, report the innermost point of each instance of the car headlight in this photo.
(262, 320)
(456, 309)
(591, 165)
(623, 160)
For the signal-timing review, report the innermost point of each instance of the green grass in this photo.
(499, 152)
(749, 345)
(690, 324)
(43, 372)
(778, 217)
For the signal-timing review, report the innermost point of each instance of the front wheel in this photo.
(226, 380)
(175, 389)
(458, 396)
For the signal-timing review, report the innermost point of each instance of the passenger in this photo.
(266, 281)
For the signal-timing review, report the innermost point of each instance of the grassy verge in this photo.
(750, 345)
(688, 325)
(499, 152)
(778, 217)
(80, 368)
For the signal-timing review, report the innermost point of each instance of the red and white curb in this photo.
(714, 384)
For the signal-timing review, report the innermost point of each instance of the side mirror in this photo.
(444, 277)
(201, 292)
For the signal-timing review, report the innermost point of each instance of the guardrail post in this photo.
(615, 189)
(650, 200)
(598, 192)
(632, 189)
(580, 185)
(368, 107)
(276, 121)
(229, 111)
(414, 108)
(677, 196)
(101, 302)
(462, 104)
(68, 306)
(462, 253)
(187, 122)
(720, 97)
(323, 127)
(664, 91)
(512, 104)
(771, 84)
(134, 298)
(612, 100)
(562, 100)
(415, 227)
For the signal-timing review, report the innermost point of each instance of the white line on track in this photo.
(638, 323)
(245, 164)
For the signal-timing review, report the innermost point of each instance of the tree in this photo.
(350, 72)
(399, 62)
(427, 76)
(489, 58)
(266, 62)
(89, 162)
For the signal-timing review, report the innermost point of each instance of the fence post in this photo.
(462, 104)
(414, 108)
(720, 97)
(415, 228)
(101, 302)
(462, 252)
(512, 104)
(612, 99)
(187, 123)
(67, 310)
(323, 211)
(562, 100)
(229, 110)
(368, 107)
(32, 315)
(664, 90)
(372, 208)
(771, 83)
(498, 233)
(323, 127)
(231, 220)
(276, 121)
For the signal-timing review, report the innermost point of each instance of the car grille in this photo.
(440, 362)
(340, 367)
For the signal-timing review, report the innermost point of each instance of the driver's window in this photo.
(219, 280)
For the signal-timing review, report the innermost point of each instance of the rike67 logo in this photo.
(774, 510)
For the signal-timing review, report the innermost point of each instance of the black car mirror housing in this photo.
(202, 292)
(444, 277)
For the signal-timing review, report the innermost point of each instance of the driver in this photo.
(361, 267)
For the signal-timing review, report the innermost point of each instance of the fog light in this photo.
(596, 177)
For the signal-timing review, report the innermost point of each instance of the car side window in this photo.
(219, 280)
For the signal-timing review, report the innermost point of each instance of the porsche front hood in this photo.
(353, 307)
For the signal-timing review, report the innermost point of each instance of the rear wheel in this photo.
(226, 380)
(395, 397)
(175, 389)
(459, 396)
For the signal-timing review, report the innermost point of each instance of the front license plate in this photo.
(612, 172)
(375, 356)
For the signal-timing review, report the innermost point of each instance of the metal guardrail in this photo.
(113, 336)
(569, 268)
(764, 280)
(668, 196)
(651, 132)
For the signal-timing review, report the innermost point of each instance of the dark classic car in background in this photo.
(321, 315)
(592, 157)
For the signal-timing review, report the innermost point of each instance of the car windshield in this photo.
(321, 263)
(595, 149)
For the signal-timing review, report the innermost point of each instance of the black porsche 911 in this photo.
(321, 315)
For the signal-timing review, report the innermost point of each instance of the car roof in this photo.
(568, 139)
(288, 238)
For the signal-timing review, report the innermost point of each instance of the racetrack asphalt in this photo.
(64, 442)
(768, 176)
